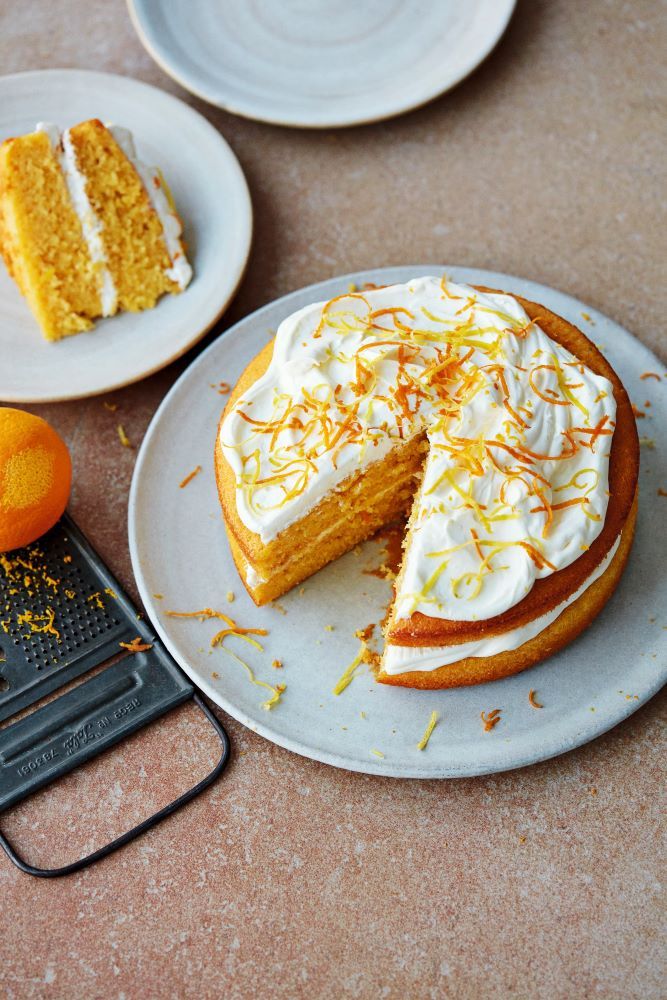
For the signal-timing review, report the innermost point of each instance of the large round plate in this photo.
(319, 63)
(212, 198)
(179, 550)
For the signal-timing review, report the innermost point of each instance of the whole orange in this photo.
(35, 477)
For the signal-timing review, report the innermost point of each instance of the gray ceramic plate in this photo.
(179, 550)
(319, 63)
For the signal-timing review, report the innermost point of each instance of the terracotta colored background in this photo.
(290, 878)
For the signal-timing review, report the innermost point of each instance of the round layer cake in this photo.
(498, 425)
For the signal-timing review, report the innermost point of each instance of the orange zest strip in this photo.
(136, 646)
(532, 699)
(574, 502)
(543, 394)
(189, 477)
(349, 673)
(646, 375)
(432, 723)
(233, 628)
(39, 623)
(490, 719)
(478, 550)
(122, 437)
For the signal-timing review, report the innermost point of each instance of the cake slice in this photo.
(86, 228)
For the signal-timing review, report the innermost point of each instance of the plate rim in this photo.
(387, 767)
(185, 80)
(240, 267)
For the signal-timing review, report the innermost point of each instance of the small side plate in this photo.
(179, 550)
(322, 63)
(212, 198)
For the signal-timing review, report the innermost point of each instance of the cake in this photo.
(496, 424)
(86, 229)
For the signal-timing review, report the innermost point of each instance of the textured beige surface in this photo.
(291, 879)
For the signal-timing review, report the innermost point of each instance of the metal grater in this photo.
(62, 613)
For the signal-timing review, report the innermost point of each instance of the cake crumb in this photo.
(593, 791)
(646, 442)
(158, 597)
(661, 492)
(639, 414)
(215, 675)
(328, 628)
(277, 664)
(588, 318)
(364, 634)
(111, 407)
(522, 840)
(280, 608)
(230, 597)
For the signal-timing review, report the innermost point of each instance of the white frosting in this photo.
(404, 659)
(91, 224)
(179, 270)
(515, 484)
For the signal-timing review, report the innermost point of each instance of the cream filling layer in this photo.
(405, 659)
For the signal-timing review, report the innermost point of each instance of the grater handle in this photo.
(136, 831)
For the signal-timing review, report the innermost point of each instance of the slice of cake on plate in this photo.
(86, 229)
(499, 426)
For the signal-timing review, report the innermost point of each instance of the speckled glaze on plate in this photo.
(319, 63)
(179, 550)
(212, 199)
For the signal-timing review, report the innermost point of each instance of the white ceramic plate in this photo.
(212, 198)
(179, 549)
(319, 63)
